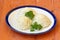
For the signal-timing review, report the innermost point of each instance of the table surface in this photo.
(7, 34)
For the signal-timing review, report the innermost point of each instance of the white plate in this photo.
(38, 10)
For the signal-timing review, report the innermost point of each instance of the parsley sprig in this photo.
(29, 14)
(35, 26)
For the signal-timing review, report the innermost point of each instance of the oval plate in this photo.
(50, 13)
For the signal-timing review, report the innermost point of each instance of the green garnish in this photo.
(30, 14)
(35, 26)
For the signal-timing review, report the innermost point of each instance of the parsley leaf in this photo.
(29, 14)
(35, 26)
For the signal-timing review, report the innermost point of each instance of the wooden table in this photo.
(7, 34)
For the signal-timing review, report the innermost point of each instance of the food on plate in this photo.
(42, 19)
(24, 22)
(29, 20)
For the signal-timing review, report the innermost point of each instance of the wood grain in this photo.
(7, 34)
